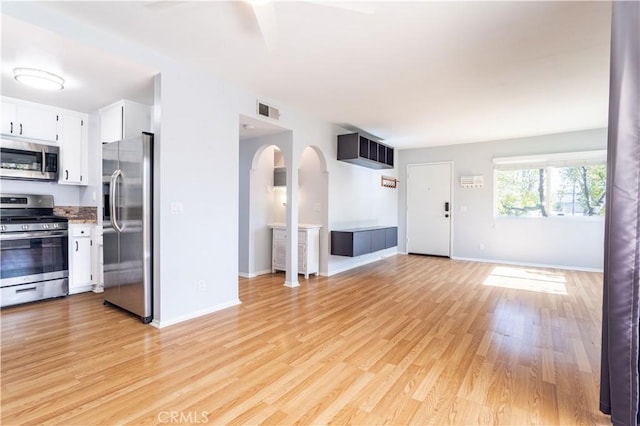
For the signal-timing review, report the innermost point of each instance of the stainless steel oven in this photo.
(33, 250)
(28, 161)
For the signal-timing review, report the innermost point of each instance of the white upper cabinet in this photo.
(74, 151)
(124, 119)
(29, 120)
(8, 117)
(66, 128)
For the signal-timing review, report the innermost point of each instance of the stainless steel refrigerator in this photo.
(127, 177)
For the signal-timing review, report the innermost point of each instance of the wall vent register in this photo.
(265, 110)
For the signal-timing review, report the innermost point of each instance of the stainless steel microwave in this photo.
(28, 160)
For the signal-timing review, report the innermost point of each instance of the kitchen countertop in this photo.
(77, 214)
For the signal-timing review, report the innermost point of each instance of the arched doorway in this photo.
(313, 197)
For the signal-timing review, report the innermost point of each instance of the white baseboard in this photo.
(534, 265)
(82, 289)
(291, 284)
(254, 274)
(161, 324)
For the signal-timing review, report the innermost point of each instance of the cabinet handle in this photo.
(20, 128)
(66, 175)
(11, 127)
(76, 246)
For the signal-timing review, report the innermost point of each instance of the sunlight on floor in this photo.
(527, 279)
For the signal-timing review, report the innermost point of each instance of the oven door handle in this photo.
(28, 235)
(44, 161)
(112, 200)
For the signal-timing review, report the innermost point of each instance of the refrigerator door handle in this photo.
(112, 199)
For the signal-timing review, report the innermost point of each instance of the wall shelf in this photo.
(356, 149)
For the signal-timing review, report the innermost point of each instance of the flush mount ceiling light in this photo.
(38, 79)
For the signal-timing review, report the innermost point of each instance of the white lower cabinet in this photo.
(308, 249)
(80, 255)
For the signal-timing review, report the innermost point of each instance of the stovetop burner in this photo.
(24, 213)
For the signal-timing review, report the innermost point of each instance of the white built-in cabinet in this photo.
(29, 120)
(308, 249)
(80, 258)
(53, 126)
(124, 119)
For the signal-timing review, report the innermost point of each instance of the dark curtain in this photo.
(620, 320)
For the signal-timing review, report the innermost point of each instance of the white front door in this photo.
(429, 209)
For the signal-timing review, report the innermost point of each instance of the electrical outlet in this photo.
(202, 285)
(481, 246)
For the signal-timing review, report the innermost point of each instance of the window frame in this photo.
(547, 162)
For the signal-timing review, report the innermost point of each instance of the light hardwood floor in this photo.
(407, 340)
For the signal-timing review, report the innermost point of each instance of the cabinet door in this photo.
(8, 113)
(302, 259)
(72, 150)
(279, 254)
(36, 123)
(80, 270)
(112, 123)
(137, 119)
(378, 239)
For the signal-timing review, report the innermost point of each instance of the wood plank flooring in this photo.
(406, 340)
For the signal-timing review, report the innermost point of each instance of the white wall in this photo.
(198, 167)
(357, 199)
(312, 184)
(557, 241)
(63, 195)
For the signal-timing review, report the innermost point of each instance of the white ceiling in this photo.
(412, 73)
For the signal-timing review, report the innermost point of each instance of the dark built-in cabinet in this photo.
(357, 149)
(359, 241)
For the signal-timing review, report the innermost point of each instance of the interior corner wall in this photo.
(198, 177)
(357, 199)
(554, 241)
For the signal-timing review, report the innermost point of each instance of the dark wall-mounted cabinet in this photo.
(357, 149)
(359, 241)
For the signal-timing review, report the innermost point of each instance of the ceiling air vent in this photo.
(268, 111)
